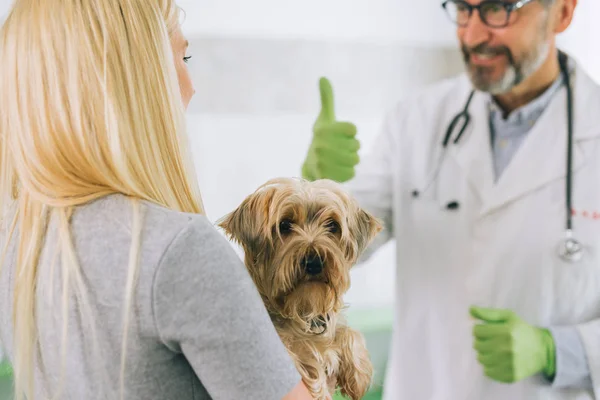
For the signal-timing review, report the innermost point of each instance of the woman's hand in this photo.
(300, 392)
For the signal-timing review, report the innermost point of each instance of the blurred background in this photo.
(256, 66)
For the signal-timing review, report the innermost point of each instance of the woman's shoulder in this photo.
(114, 218)
(120, 208)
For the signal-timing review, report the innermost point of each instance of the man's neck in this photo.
(532, 87)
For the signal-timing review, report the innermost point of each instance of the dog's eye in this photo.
(332, 226)
(285, 226)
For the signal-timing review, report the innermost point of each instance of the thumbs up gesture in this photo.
(509, 349)
(333, 153)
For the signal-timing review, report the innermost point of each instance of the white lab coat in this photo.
(498, 249)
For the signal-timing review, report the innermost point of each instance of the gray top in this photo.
(199, 328)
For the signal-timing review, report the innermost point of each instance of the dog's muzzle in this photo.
(313, 265)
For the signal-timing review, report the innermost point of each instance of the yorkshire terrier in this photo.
(300, 240)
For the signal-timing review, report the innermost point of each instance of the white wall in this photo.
(419, 21)
(581, 39)
(260, 61)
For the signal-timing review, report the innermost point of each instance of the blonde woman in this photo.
(113, 284)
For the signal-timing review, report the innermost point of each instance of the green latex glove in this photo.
(333, 152)
(509, 349)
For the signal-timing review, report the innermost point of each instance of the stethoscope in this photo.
(569, 248)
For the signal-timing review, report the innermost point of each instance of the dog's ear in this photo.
(239, 225)
(232, 222)
(364, 228)
(247, 223)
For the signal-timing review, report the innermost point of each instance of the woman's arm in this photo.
(207, 307)
(299, 392)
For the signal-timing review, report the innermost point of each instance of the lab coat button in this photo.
(453, 205)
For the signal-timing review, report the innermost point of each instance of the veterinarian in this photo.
(490, 185)
(115, 285)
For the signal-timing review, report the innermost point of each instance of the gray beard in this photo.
(515, 73)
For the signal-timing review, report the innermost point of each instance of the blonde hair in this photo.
(90, 106)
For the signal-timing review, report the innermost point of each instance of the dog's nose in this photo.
(313, 264)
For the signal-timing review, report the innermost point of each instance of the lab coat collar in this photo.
(542, 156)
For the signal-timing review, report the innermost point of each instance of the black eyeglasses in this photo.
(493, 13)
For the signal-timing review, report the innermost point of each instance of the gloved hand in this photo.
(333, 152)
(509, 349)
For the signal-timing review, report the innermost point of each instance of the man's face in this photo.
(499, 59)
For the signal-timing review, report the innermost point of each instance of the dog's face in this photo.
(300, 240)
